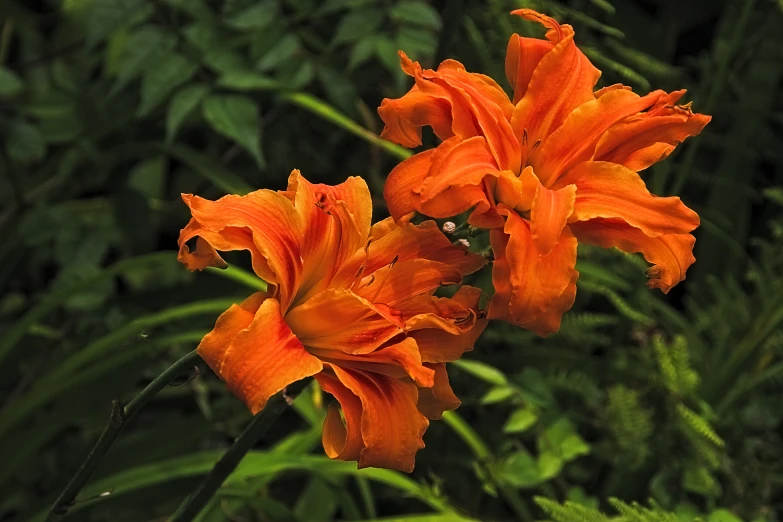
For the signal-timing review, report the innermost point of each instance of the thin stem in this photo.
(117, 420)
(197, 500)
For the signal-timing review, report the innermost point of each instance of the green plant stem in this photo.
(117, 420)
(197, 500)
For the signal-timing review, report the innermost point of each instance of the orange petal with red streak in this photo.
(405, 179)
(264, 358)
(440, 397)
(522, 57)
(341, 441)
(609, 190)
(671, 254)
(392, 426)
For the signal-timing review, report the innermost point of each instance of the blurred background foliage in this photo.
(643, 406)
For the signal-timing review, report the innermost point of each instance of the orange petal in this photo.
(338, 319)
(264, 358)
(522, 57)
(445, 329)
(531, 290)
(671, 254)
(609, 190)
(562, 81)
(398, 360)
(517, 192)
(642, 141)
(402, 280)
(575, 140)
(456, 164)
(401, 183)
(389, 241)
(392, 426)
(263, 222)
(550, 212)
(336, 223)
(213, 346)
(440, 397)
(341, 441)
(404, 117)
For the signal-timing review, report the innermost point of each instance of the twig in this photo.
(197, 500)
(117, 420)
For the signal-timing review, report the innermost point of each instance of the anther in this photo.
(536, 144)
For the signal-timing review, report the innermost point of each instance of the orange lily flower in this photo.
(350, 303)
(554, 165)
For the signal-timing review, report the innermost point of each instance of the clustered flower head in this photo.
(354, 305)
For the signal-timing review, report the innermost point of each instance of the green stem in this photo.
(117, 420)
(197, 500)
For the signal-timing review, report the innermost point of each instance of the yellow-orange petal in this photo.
(404, 242)
(444, 329)
(392, 426)
(341, 441)
(401, 183)
(402, 280)
(531, 290)
(649, 138)
(440, 397)
(575, 140)
(263, 222)
(238, 317)
(398, 360)
(562, 81)
(264, 358)
(609, 190)
(550, 212)
(335, 224)
(670, 254)
(338, 319)
(522, 57)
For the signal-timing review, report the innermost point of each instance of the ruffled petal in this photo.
(440, 397)
(335, 222)
(263, 222)
(338, 319)
(341, 441)
(392, 426)
(522, 57)
(644, 140)
(404, 117)
(263, 358)
(609, 190)
(550, 212)
(401, 183)
(444, 329)
(562, 81)
(402, 280)
(575, 140)
(671, 254)
(531, 290)
(390, 241)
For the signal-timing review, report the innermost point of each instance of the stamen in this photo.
(524, 137)
(536, 144)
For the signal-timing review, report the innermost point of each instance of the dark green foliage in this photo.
(109, 109)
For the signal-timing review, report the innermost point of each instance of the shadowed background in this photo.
(109, 109)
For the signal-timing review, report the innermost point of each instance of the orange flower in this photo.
(349, 303)
(555, 165)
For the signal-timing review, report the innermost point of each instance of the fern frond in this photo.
(631, 426)
(699, 425)
(569, 512)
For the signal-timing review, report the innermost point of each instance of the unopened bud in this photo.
(449, 227)
(464, 242)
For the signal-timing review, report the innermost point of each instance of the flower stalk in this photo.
(196, 501)
(118, 418)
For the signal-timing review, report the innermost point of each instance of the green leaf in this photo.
(181, 105)
(520, 470)
(357, 24)
(196, 8)
(362, 51)
(149, 177)
(206, 167)
(236, 117)
(280, 52)
(10, 83)
(549, 465)
(483, 371)
(561, 439)
(498, 394)
(248, 81)
(255, 16)
(416, 42)
(106, 16)
(142, 48)
(24, 142)
(416, 13)
(168, 73)
(519, 421)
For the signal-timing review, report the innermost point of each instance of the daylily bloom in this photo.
(554, 165)
(350, 303)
